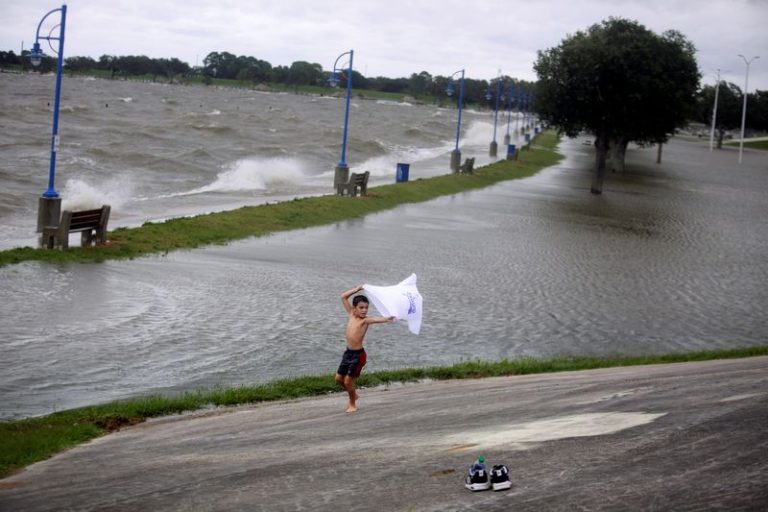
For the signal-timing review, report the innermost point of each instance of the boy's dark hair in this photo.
(359, 298)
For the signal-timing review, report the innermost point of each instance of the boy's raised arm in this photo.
(347, 294)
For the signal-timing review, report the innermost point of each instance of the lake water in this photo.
(672, 257)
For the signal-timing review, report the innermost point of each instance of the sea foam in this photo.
(256, 174)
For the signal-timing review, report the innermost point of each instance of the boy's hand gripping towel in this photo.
(403, 301)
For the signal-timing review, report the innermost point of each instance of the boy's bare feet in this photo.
(351, 408)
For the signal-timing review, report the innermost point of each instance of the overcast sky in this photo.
(392, 38)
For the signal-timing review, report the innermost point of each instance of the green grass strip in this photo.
(250, 221)
(755, 144)
(27, 441)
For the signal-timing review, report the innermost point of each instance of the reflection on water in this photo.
(669, 258)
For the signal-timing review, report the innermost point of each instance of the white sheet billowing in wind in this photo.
(403, 301)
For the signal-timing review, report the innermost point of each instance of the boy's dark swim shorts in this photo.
(352, 362)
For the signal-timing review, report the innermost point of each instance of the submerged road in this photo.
(689, 436)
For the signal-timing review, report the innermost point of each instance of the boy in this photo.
(353, 360)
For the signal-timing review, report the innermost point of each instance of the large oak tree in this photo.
(620, 82)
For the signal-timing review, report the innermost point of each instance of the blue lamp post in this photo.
(341, 174)
(510, 95)
(525, 111)
(488, 95)
(50, 202)
(456, 153)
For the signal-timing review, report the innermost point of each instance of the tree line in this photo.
(227, 66)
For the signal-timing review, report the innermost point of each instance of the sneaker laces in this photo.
(476, 469)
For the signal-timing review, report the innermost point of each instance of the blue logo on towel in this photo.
(411, 302)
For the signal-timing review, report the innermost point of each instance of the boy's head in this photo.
(360, 305)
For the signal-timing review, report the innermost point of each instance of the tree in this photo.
(109, 63)
(136, 65)
(9, 59)
(619, 81)
(385, 84)
(79, 63)
(759, 105)
(305, 73)
(220, 65)
(729, 102)
(279, 74)
(171, 68)
(420, 84)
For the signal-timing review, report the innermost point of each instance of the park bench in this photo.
(468, 167)
(356, 181)
(91, 223)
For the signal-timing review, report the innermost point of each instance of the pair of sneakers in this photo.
(478, 478)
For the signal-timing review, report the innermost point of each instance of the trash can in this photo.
(527, 138)
(510, 151)
(402, 173)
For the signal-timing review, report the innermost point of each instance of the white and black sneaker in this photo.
(477, 479)
(500, 478)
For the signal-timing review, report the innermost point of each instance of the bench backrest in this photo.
(86, 219)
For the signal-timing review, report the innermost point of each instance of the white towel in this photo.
(403, 301)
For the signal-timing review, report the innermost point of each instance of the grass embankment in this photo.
(27, 441)
(223, 227)
(755, 144)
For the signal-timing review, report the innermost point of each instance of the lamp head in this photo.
(449, 89)
(36, 55)
(333, 80)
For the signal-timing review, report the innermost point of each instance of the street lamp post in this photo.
(341, 174)
(510, 99)
(488, 95)
(744, 108)
(526, 135)
(49, 204)
(714, 113)
(531, 119)
(456, 153)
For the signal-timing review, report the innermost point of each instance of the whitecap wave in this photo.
(79, 195)
(254, 174)
(478, 133)
(393, 102)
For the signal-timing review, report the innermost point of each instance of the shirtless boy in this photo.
(353, 360)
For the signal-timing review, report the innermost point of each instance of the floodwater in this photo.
(672, 257)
